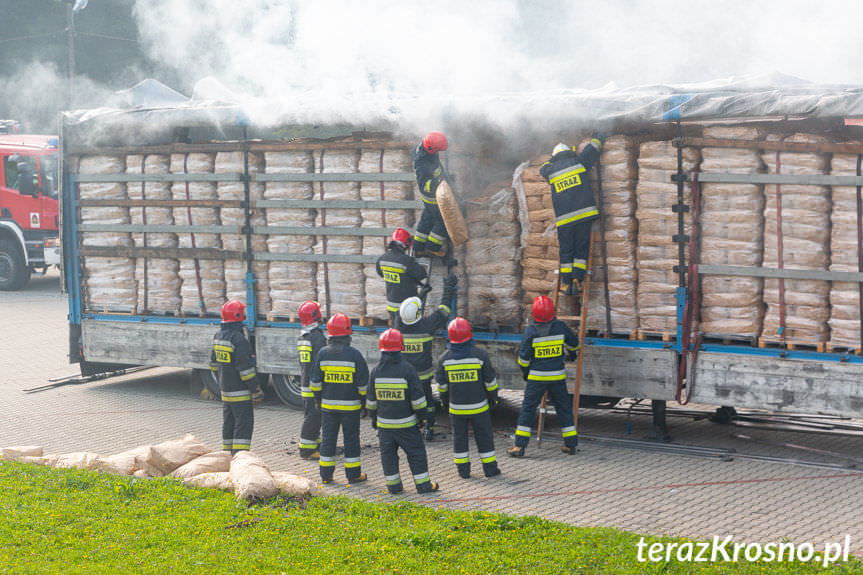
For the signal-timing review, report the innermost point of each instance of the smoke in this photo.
(425, 62)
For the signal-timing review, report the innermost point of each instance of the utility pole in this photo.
(70, 49)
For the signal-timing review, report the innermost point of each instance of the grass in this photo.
(68, 521)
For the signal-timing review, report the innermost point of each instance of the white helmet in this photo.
(560, 148)
(411, 310)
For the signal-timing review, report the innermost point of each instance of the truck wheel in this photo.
(14, 274)
(287, 388)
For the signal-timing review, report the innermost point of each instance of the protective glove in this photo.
(525, 370)
(599, 135)
(420, 422)
(572, 355)
(451, 281)
(374, 421)
(258, 396)
(364, 413)
(444, 401)
(492, 401)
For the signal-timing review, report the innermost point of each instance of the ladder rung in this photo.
(569, 317)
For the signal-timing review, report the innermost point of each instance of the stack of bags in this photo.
(158, 279)
(203, 281)
(844, 296)
(492, 258)
(382, 161)
(619, 172)
(342, 285)
(805, 236)
(187, 459)
(110, 281)
(291, 283)
(235, 269)
(732, 232)
(656, 252)
(539, 259)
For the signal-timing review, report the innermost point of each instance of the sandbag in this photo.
(290, 484)
(17, 453)
(214, 480)
(207, 463)
(170, 455)
(47, 460)
(251, 477)
(79, 460)
(450, 211)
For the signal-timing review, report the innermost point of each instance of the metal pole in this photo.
(70, 51)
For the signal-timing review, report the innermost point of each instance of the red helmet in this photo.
(233, 310)
(543, 309)
(402, 237)
(339, 324)
(310, 312)
(435, 142)
(391, 340)
(459, 331)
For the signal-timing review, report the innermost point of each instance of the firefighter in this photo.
(401, 273)
(234, 364)
(310, 342)
(430, 235)
(541, 359)
(418, 332)
(468, 389)
(397, 404)
(574, 207)
(339, 380)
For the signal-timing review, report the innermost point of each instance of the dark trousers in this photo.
(431, 231)
(238, 422)
(349, 422)
(574, 240)
(430, 406)
(484, 436)
(410, 440)
(533, 393)
(310, 432)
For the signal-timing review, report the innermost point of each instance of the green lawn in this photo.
(65, 521)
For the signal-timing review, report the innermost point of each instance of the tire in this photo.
(287, 388)
(14, 274)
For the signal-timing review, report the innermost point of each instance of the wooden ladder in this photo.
(582, 300)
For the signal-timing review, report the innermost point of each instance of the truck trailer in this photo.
(727, 264)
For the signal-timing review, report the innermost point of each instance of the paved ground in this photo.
(604, 485)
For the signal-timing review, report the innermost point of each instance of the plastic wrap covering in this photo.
(732, 232)
(386, 161)
(656, 251)
(805, 238)
(203, 281)
(844, 296)
(158, 279)
(340, 286)
(619, 172)
(110, 281)
(492, 258)
(291, 283)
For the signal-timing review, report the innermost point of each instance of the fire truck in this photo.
(29, 209)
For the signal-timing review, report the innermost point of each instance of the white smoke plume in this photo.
(342, 60)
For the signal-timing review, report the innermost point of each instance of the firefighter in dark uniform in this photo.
(310, 342)
(574, 207)
(234, 363)
(430, 235)
(340, 378)
(468, 388)
(418, 332)
(397, 403)
(541, 359)
(401, 273)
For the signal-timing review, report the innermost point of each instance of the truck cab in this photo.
(29, 210)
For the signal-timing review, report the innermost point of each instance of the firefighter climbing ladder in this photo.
(580, 302)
